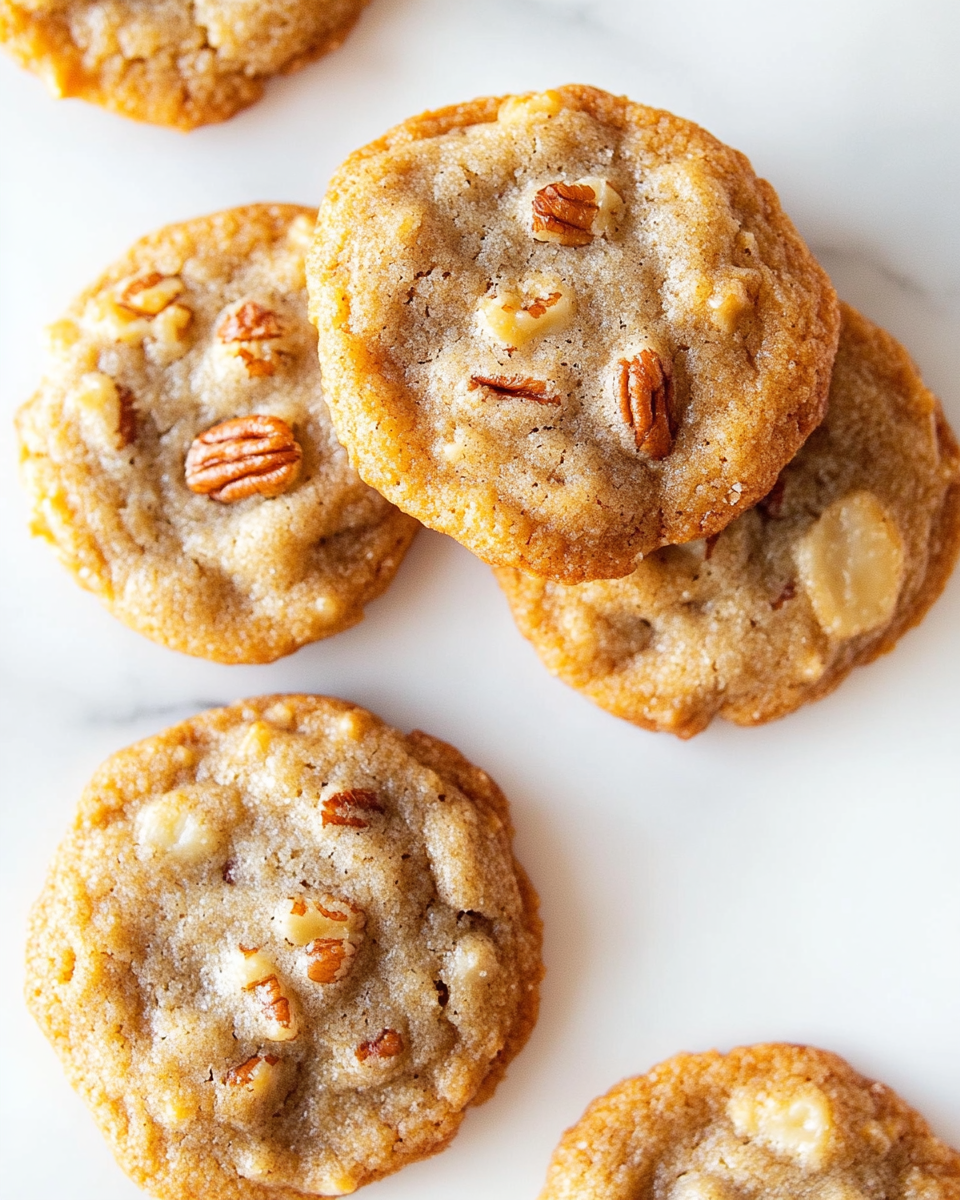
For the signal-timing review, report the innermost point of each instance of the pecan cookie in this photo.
(566, 329)
(282, 949)
(776, 1121)
(180, 455)
(169, 61)
(846, 553)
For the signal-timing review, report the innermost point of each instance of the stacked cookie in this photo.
(582, 337)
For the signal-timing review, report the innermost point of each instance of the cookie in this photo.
(847, 552)
(282, 949)
(777, 1121)
(180, 456)
(566, 329)
(170, 62)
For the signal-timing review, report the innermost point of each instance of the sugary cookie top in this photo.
(566, 329)
(846, 553)
(169, 61)
(283, 948)
(778, 1121)
(180, 455)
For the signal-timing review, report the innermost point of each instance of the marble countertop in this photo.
(797, 881)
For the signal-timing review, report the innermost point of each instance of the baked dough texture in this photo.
(105, 444)
(475, 372)
(746, 625)
(171, 62)
(775, 1121)
(282, 949)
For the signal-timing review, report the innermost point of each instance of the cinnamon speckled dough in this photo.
(418, 229)
(686, 636)
(203, 840)
(778, 1121)
(170, 62)
(241, 582)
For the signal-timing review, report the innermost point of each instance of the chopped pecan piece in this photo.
(251, 322)
(515, 387)
(274, 1003)
(336, 808)
(255, 455)
(645, 391)
(242, 1076)
(150, 294)
(387, 1044)
(330, 959)
(566, 211)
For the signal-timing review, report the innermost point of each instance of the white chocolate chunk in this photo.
(170, 825)
(512, 320)
(850, 563)
(518, 110)
(798, 1124)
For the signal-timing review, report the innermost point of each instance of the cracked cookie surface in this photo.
(776, 1121)
(283, 948)
(170, 62)
(847, 553)
(180, 455)
(566, 329)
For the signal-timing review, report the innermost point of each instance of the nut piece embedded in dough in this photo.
(515, 387)
(169, 825)
(797, 1124)
(645, 391)
(342, 807)
(573, 214)
(247, 456)
(330, 959)
(148, 295)
(512, 320)
(256, 973)
(851, 565)
(387, 1044)
(247, 332)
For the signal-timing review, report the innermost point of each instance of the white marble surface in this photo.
(795, 882)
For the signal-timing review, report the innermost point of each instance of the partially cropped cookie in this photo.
(282, 949)
(777, 1121)
(566, 329)
(847, 552)
(180, 455)
(170, 62)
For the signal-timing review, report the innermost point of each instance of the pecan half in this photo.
(251, 322)
(645, 390)
(255, 455)
(515, 387)
(330, 959)
(387, 1044)
(567, 212)
(336, 808)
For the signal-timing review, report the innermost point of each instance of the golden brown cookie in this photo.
(168, 61)
(566, 329)
(282, 949)
(847, 553)
(774, 1121)
(180, 456)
